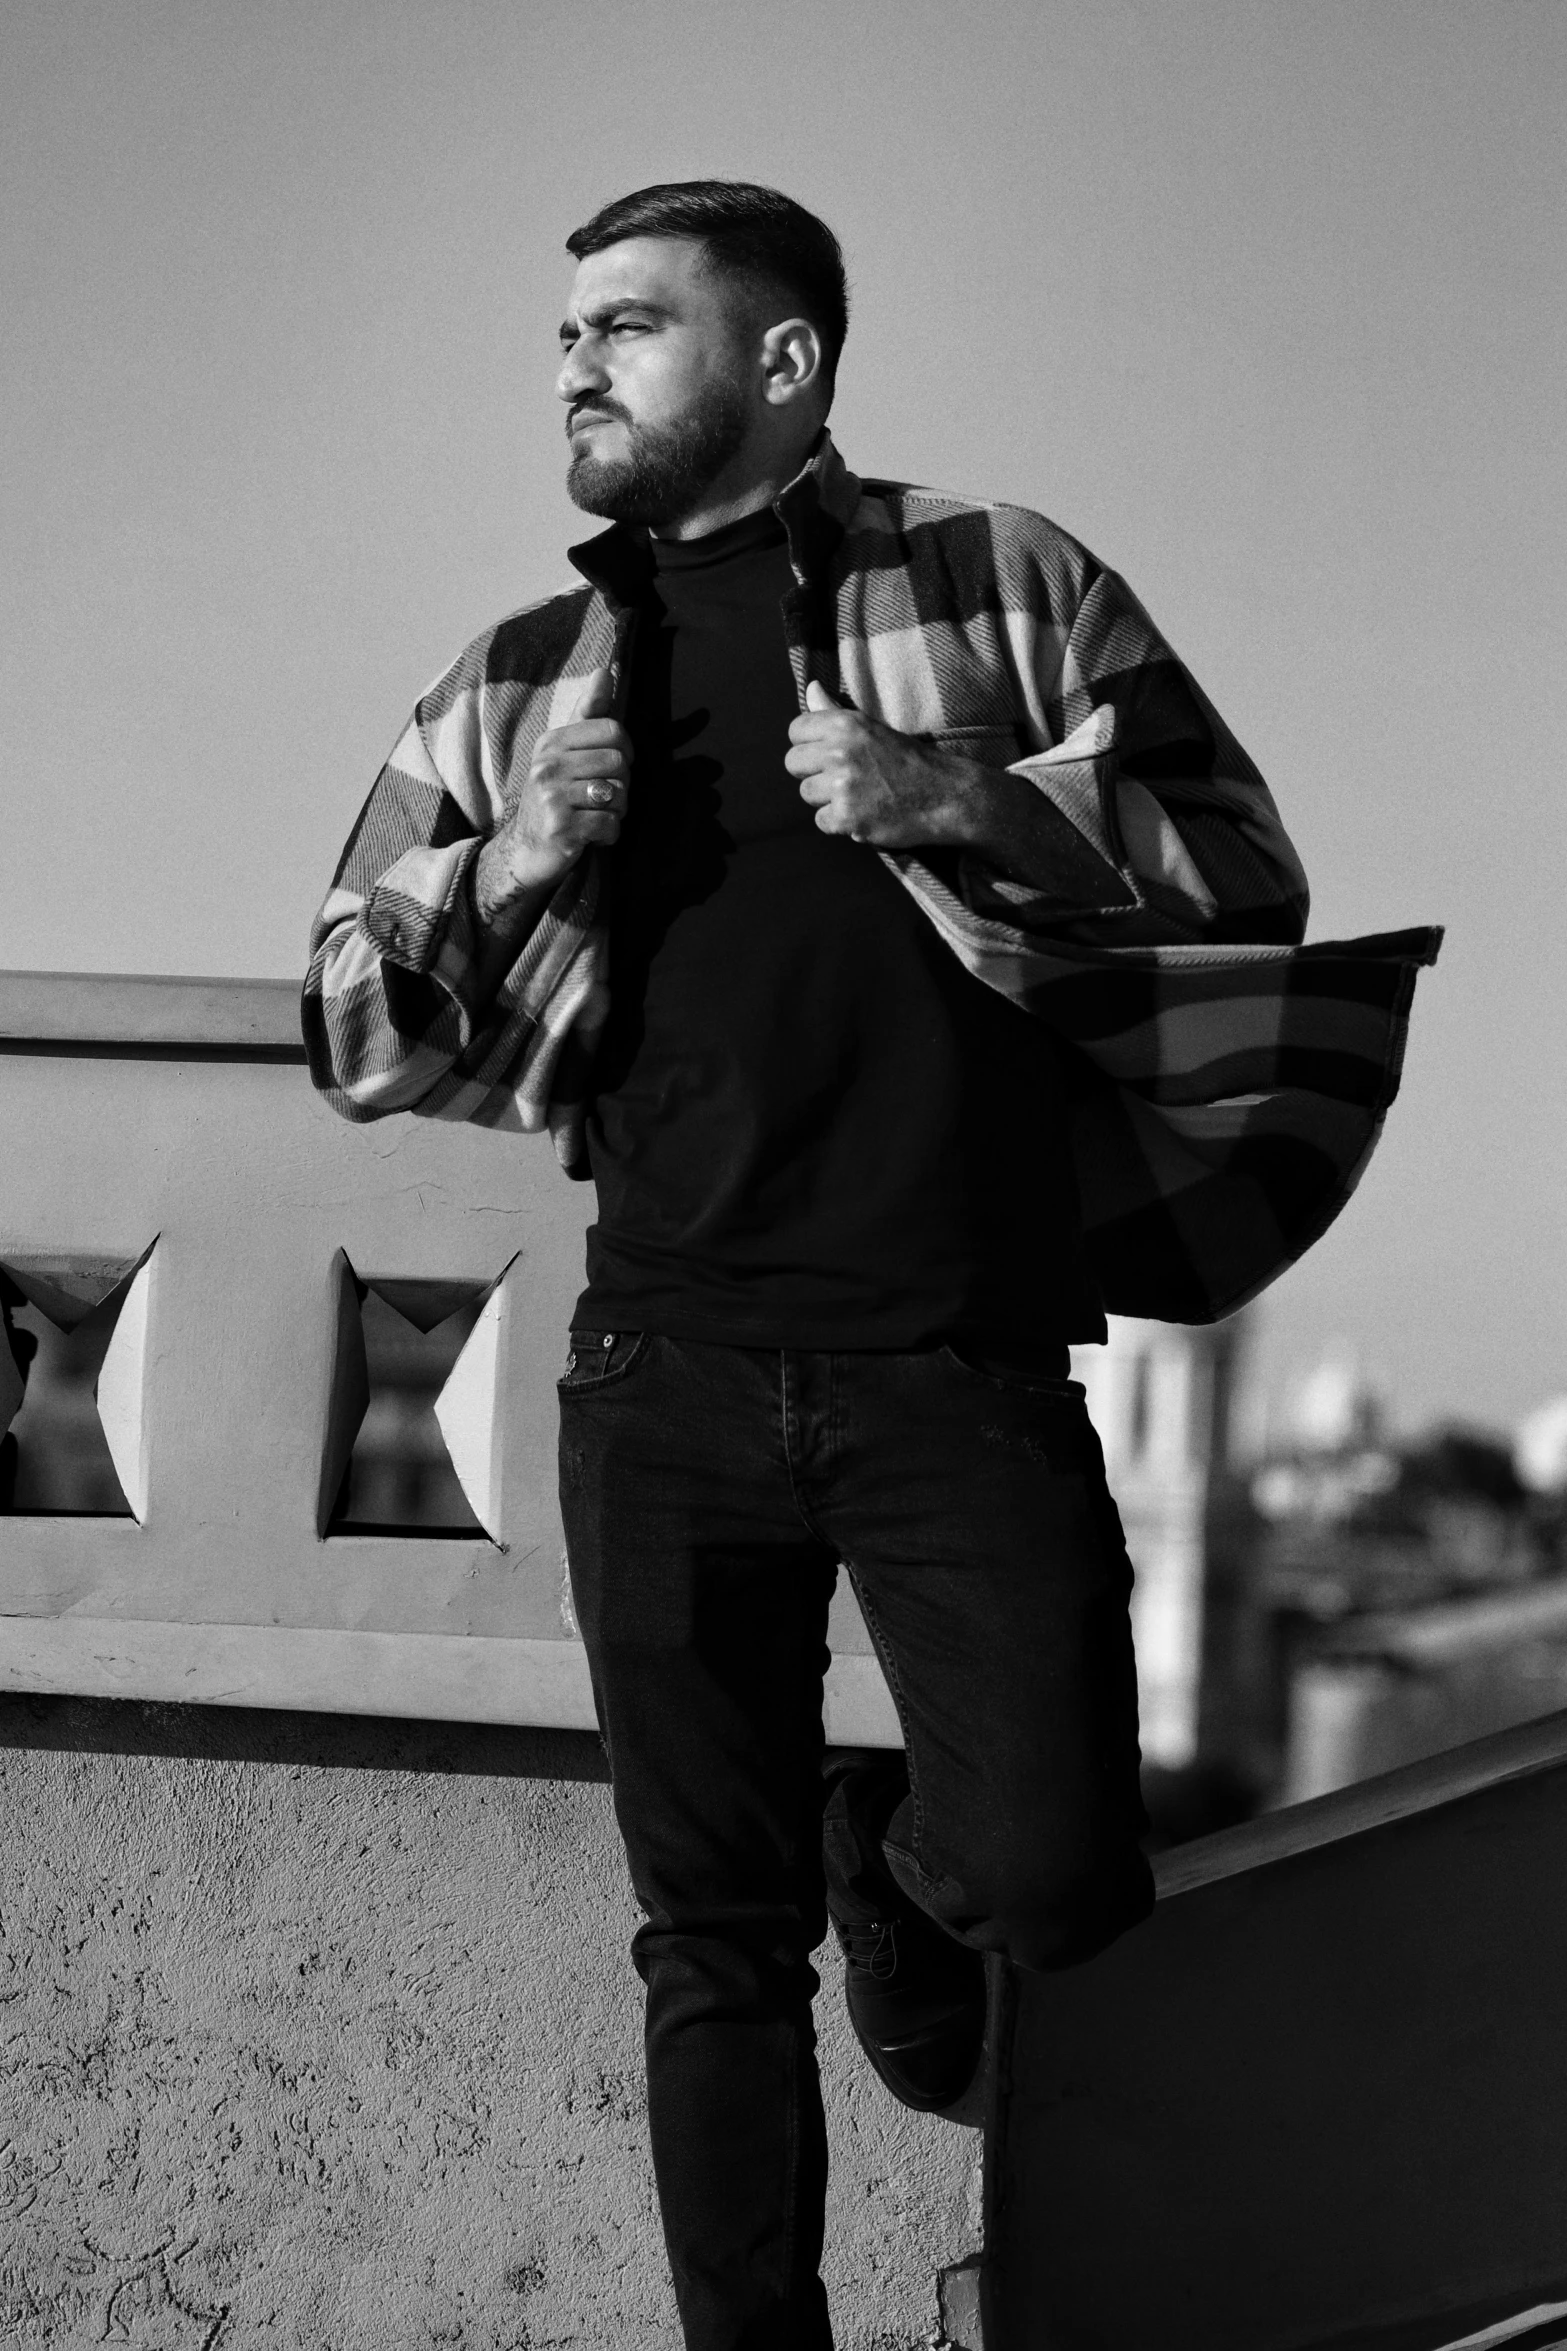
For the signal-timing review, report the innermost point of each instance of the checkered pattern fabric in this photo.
(1228, 1083)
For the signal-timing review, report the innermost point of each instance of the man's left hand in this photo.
(869, 782)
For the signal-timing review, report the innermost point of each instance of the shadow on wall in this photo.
(62, 1722)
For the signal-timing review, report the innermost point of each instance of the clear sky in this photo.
(1261, 298)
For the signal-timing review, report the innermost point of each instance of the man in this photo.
(785, 867)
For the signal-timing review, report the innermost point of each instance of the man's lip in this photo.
(589, 416)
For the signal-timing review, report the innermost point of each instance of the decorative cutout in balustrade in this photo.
(410, 1443)
(72, 1384)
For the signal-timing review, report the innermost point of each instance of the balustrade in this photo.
(285, 1305)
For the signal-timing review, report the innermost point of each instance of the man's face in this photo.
(660, 384)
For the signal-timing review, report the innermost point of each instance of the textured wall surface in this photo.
(319, 2034)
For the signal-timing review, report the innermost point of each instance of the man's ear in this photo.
(791, 363)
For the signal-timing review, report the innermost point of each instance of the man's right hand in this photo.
(574, 798)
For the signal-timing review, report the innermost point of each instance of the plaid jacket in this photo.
(1228, 1084)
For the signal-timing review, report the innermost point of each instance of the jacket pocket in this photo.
(987, 746)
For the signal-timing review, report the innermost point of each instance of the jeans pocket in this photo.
(1045, 1372)
(600, 1359)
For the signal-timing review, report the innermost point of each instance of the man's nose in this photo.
(581, 371)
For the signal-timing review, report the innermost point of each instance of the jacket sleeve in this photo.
(391, 1012)
(1168, 832)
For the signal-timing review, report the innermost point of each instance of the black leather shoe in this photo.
(917, 2004)
(916, 1996)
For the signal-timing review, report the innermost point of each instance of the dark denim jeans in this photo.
(709, 1495)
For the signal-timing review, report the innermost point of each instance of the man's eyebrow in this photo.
(606, 314)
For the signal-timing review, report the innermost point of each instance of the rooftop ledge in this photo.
(136, 1014)
(81, 1011)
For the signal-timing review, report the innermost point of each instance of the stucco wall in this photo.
(319, 2034)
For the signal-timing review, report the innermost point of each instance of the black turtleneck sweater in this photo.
(812, 1126)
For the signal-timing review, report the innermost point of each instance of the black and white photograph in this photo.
(783, 1250)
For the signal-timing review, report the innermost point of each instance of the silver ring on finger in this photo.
(601, 794)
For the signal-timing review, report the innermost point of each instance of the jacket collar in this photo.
(823, 492)
(815, 509)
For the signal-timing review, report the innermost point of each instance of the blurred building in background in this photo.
(1160, 1396)
(1410, 1591)
(1333, 1603)
(1163, 1398)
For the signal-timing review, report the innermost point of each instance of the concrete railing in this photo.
(160, 1141)
(1319, 2102)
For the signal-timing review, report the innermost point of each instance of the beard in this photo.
(667, 467)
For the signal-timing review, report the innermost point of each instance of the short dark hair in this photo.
(747, 232)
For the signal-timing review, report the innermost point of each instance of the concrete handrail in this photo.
(1347, 1812)
(240, 1018)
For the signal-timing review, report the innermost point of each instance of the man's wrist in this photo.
(504, 899)
(977, 813)
(1009, 825)
(506, 909)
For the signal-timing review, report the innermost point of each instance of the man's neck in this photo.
(712, 514)
(729, 500)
